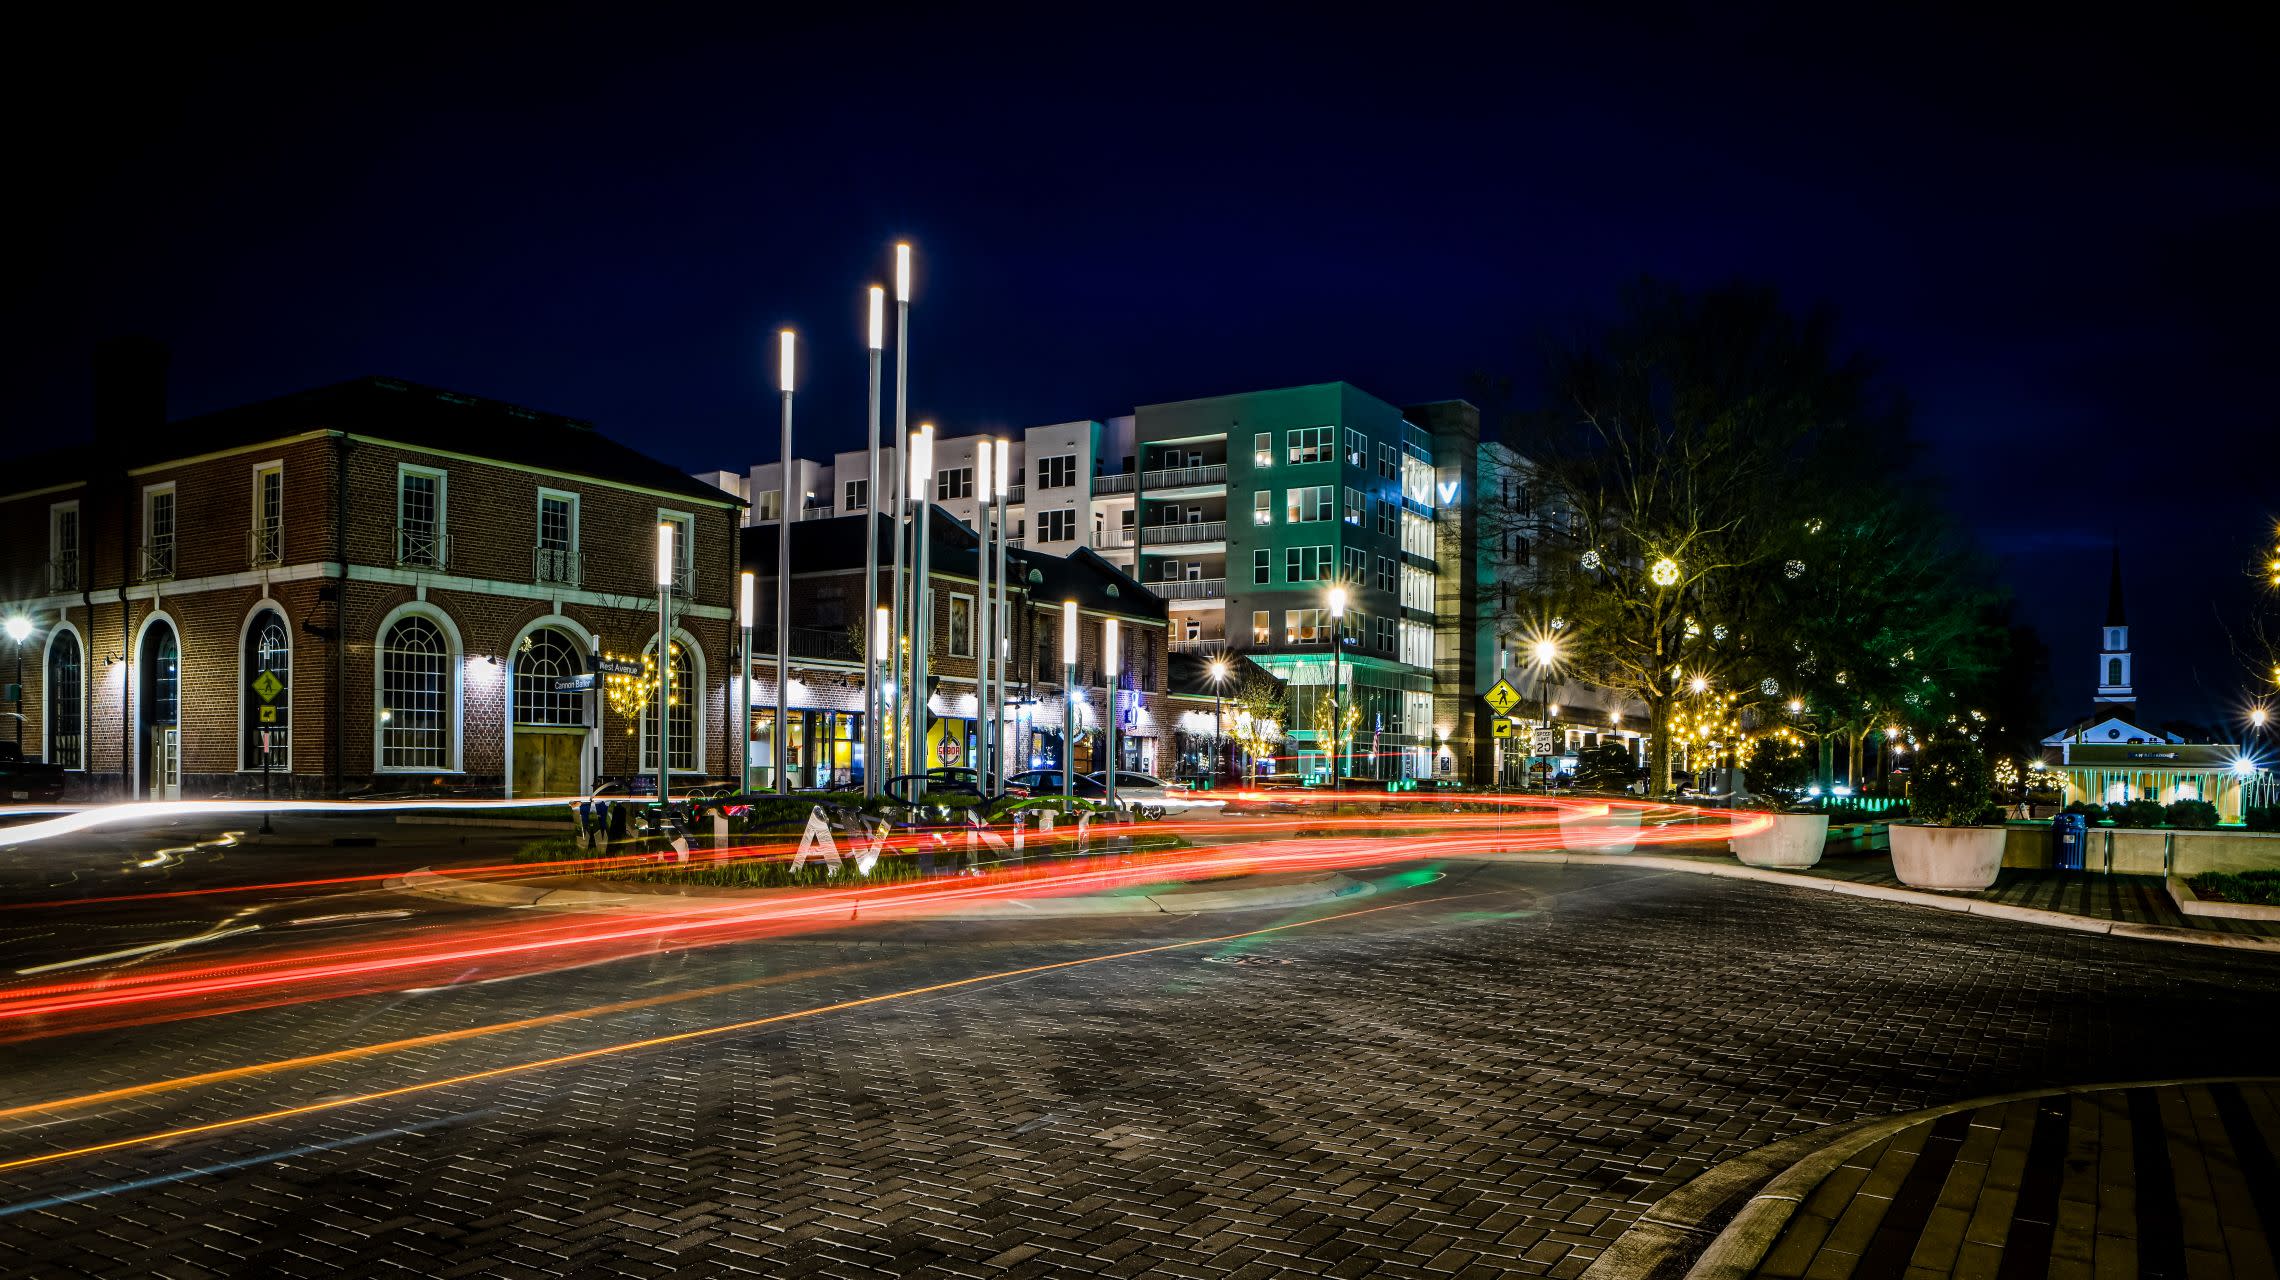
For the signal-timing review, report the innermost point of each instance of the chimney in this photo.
(130, 396)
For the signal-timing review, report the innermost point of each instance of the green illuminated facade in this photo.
(1251, 507)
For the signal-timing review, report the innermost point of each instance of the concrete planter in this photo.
(1958, 858)
(1616, 831)
(1794, 841)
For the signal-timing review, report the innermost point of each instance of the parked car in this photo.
(970, 778)
(1047, 782)
(947, 785)
(26, 780)
(1151, 792)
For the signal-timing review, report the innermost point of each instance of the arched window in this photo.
(544, 657)
(2113, 671)
(415, 696)
(66, 701)
(268, 694)
(684, 731)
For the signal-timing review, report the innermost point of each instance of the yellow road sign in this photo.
(1503, 728)
(268, 715)
(1502, 697)
(267, 685)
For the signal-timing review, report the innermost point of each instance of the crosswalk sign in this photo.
(1502, 697)
(1503, 728)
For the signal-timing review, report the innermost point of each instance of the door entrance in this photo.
(547, 760)
(158, 670)
(166, 762)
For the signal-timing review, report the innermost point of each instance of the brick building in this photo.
(826, 660)
(375, 588)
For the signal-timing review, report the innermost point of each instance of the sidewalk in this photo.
(2173, 1179)
(2123, 906)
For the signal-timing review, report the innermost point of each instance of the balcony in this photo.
(824, 512)
(1185, 477)
(557, 565)
(1118, 483)
(63, 573)
(1160, 535)
(157, 562)
(1189, 588)
(265, 546)
(1201, 644)
(1013, 493)
(819, 644)
(1112, 538)
(420, 548)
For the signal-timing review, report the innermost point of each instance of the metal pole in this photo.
(873, 700)
(1108, 690)
(784, 521)
(664, 688)
(921, 609)
(1337, 702)
(981, 623)
(1068, 734)
(902, 496)
(1003, 626)
(744, 705)
(1218, 731)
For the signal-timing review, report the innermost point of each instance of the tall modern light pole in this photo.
(20, 630)
(902, 746)
(873, 703)
(664, 662)
(744, 685)
(1108, 688)
(921, 607)
(1003, 626)
(1218, 671)
(784, 518)
(1337, 686)
(1068, 703)
(980, 622)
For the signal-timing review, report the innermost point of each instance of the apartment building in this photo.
(368, 588)
(1241, 512)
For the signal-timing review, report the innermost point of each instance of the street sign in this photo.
(614, 666)
(1502, 697)
(1502, 728)
(268, 716)
(573, 684)
(268, 686)
(1542, 745)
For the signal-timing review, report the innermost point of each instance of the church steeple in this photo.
(2114, 688)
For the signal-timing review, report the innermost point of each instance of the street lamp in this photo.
(785, 342)
(980, 620)
(921, 611)
(1069, 704)
(1337, 683)
(1108, 691)
(882, 649)
(873, 704)
(664, 660)
(20, 630)
(1218, 670)
(744, 684)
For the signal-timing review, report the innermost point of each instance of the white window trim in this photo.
(150, 492)
(245, 678)
(949, 633)
(55, 524)
(455, 663)
(847, 502)
(697, 740)
(442, 511)
(538, 512)
(685, 549)
(136, 787)
(47, 695)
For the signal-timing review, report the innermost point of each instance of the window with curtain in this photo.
(415, 696)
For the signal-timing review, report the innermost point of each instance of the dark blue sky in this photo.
(2057, 238)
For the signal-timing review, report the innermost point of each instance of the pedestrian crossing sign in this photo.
(1502, 697)
(1503, 728)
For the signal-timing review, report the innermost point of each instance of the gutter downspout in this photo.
(126, 638)
(340, 617)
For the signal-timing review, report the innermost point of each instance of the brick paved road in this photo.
(1494, 1078)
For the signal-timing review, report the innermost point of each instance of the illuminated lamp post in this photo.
(1337, 685)
(873, 703)
(1108, 689)
(1218, 671)
(1069, 703)
(980, 621)
(1001, 626)
(20, 630)
(744, 685)
(921, 619)
(901, 507)
(784, 518)
(664, 661)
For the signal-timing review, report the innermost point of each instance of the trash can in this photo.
(2070, 835)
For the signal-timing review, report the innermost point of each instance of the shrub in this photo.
(2136, 813)
(2261, 887)
(2092, 814)
(1953, 785)
(2192, 815)
(2262, 817)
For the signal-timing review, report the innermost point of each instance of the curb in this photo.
(1785, 1173)
(495, 893)
(1914, 897)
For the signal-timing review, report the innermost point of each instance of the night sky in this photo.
(2057, 239)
